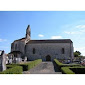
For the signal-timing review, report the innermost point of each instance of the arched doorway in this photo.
(48, 58)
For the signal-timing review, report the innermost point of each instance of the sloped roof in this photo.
(22, 39)
(50, 41)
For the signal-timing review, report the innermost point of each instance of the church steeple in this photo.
(28, 32)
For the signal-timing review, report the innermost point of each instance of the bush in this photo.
(33, 63)
(65, 65)
(36, 62)
(66, 70)
(73, 70)
(78, 70)
(26, 66)
(10, 66)
(14, 70)
(57, 62)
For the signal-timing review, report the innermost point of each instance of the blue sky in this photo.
(44, 25)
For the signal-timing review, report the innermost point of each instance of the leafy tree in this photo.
(77, 54)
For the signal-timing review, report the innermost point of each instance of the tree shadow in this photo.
(56, 68)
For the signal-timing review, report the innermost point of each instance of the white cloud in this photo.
(80, 26)
(56, 37)
(75, 32)
(40, 35)
(80, 30)
(67, 32)
(2, 40)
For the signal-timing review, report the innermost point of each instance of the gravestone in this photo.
(25, 59)
(10, 59)
(18, 60)
(2, 61)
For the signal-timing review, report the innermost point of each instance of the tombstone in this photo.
(10, 58)
(2, 61)
(25, 59)
(18, 60)
(7, 59)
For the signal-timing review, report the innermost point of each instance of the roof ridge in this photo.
(51, 41)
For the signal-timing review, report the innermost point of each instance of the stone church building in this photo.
(47, 50)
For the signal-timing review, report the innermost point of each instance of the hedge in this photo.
(66, 70)
(13, 70)
(64, 65)
(26, 66)
(33, 63)
(78, 70)
(11, 66)
(73, 70)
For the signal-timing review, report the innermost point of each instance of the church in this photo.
(47, 50)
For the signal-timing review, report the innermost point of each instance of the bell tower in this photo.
(28, 32)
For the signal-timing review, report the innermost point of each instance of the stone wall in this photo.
(18, 46)
(52, 49)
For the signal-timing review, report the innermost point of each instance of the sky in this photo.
(44, 25)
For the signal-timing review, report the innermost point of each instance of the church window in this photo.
(63, 50)
(33, 50)
(12, 46)
(16, 46)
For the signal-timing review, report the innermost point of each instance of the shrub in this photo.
(33, 63)
(66, 70)
(10, 66)
(57, 62)
(14, 70)
(65, 65)
(26, 66)
(36, 62)
(73, 70)
(78, 70)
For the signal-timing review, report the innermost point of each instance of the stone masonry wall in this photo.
(52, 49)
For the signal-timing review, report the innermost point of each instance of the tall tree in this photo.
(77, 53)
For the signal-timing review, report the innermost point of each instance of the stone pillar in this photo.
(2, 61)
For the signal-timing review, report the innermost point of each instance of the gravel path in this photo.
(43, 68)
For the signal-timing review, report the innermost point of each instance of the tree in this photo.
(77, 54)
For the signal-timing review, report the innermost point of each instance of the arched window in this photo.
(63, 51)
(33, 50)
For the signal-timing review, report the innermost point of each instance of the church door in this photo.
(48, 58)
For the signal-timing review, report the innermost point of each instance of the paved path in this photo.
(43, 68)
